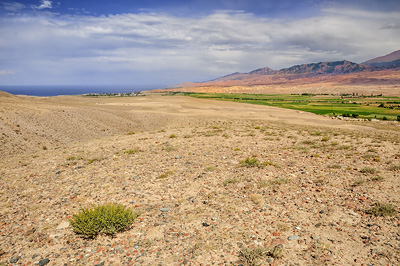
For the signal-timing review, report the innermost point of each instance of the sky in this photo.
(166, 42)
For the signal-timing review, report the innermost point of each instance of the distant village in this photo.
(127, 94)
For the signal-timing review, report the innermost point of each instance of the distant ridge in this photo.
(389, 60)
(335, 71)
(336, 67)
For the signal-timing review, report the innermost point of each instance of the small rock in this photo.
(205, 224)
(100, 264)
(322, 212)
(315, 237)
(15, 260)
(270, 260)
(293, 237)
(43, 262)
(164, 209)
(132, 202)
(63, 225)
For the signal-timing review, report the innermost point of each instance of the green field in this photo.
(368, 107)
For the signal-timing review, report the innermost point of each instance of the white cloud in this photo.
(155, 47)
(13, 6)
(5, 72)
(44, 4)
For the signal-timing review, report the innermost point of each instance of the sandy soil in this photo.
(199, 205)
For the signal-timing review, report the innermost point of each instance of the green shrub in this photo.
(131, 151)
(251, 257)
(250, 162)
(382, 209)
(229, 180)
(104, 219)
(368, 170)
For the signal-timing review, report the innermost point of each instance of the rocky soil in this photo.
(303, 201)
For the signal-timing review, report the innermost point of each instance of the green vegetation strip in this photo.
(349, 105)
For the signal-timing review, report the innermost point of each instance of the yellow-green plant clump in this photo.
(106, 219)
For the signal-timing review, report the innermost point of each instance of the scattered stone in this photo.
(166, 209)
(206, 224)
(293, 237)
(63, 225)
(15, 260)
(315, 237)
(43, 262)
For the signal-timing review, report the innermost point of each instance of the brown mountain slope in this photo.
(389, 59)
(379, 75)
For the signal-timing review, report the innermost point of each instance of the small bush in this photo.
(132, 151)
(377, 178)
(308, 142)
(382, 209)
(94, 160)
(368, 170)
(279, 181)
(371, 157)
(230, 181)
(359, 182)
(104, 219)
(335, 166)
(165, 175)
(276, 252)
(250, 162)
(251, 257)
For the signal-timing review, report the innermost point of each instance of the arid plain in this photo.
(181, 162)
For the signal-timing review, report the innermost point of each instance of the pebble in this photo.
(315, 237)
(206, 224)
(63, 225)
(43, 262)
(164, 209)
(15, 260)
(293, 237)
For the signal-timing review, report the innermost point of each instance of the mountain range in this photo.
(314, 72)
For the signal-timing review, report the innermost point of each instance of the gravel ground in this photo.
(305, 201)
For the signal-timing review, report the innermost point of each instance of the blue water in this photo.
(56, 90)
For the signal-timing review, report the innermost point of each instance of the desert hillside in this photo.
(214, 182)
(386, 82)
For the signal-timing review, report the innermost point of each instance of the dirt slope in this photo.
(308, 196)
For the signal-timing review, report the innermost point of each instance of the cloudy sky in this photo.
(165, 42)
